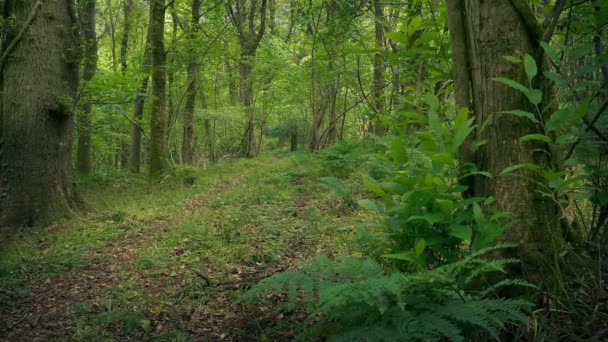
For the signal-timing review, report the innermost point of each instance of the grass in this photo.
(166, 261)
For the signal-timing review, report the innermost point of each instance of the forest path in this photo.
(166, 262)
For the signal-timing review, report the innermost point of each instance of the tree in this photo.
(84, 160)
(243, 15)
(138, 110)
(379, 68)
(39, 72)
(158, 153)
(482, 34)
(188, 136)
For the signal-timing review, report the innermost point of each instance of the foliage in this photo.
(427, 218)
(353, 299)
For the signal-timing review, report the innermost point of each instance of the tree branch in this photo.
(21, 33)
(551, 21)
(529, 19)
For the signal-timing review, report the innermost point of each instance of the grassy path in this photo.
(165, 262)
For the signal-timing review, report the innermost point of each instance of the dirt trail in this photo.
(48, 308)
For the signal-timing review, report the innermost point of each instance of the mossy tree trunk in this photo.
(138, 110)
(39, 82)
(158, 147)
(379, 98)
(84, 159)
(188, 135)
(482, 33)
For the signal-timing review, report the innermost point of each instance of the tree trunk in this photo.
(188, 138)
(209, 130)
(84, 160)
(379, 100)
(138, 111)
(482, 34)
(124, 44)
(249, 147)
(243, 17)
(39, 83)
(158, 153)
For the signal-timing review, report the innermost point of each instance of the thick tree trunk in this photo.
(188, 137)
(494, 29)
(84, 160)
(39, 83)
(158, 153)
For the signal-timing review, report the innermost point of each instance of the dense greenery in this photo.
(303, 169)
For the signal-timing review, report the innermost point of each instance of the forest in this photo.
(308, 170)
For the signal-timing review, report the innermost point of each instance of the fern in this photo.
(350, 299)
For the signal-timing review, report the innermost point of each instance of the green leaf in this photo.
(464, 233)
(145, 325)
(419, 247)
(476, 173)
(513, 59)
(530, 66)
(561, 119)
(513, 84)
(404, 256)
(398, 151)
(398, 37)
(446, 205)
(551, 52)
(538, 137)
(557, 78)
(535, 96)
(369, 205)
(522, 114)
(462, 128)
(582, 195)
(528, 166)
(478, 215)
(429, 218)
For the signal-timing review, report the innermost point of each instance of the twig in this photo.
(21, 33)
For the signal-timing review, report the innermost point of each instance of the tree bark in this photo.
(39, 84)
(379, 100)
(84, 160)
(243, 17)
(138, 110)
(158, 153)
(492, 30)
(188, 137)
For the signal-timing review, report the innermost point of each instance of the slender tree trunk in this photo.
(112, 28)
(249, 148)
(158, 149)
(243, 17)
(124, 44)
(209, 130)
(492, 30)
(138, 110)
(379, 69)
(39, 84)
(84, 160)
(332, 128)
(233, 90)
(188, 137)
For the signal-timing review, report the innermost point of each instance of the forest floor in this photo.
(166, 262)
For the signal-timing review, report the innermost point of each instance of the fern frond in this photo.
(505, 283)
